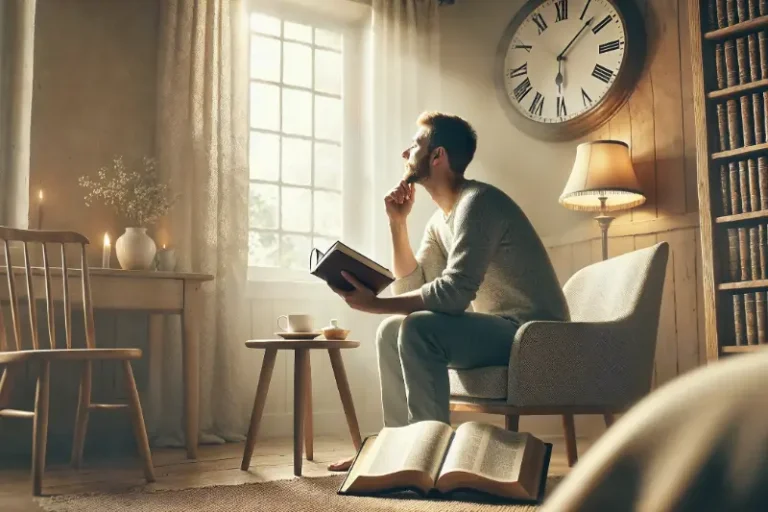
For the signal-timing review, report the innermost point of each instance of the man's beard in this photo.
(418, 172)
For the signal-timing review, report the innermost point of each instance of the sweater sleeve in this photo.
(430, 262)
(478, 232)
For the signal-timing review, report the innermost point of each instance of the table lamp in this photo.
(602, 180)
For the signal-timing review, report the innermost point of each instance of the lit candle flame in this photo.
(106, 238)
(163, 246)
(40, 195)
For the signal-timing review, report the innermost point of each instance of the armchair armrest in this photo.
(579, 364)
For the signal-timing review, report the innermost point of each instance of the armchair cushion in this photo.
(485, 382)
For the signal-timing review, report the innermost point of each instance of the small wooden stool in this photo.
(302, 393)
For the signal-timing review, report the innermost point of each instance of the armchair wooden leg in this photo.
(267, 365)
(608, 417)
(139, 428)
(81, 419)
(569, 429)
(512, 422)
(308, 434)
(40, 428)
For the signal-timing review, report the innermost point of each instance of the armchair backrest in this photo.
(624, 288)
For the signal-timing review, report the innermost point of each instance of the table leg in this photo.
(190, 362)
(153, 402)
(267, 365)
(299, 395)
(308, 434)
(346, 395)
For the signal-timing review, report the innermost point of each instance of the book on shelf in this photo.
(431, 459)
(340, 257)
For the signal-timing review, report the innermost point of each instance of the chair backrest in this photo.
(626, 287)
(44, 240)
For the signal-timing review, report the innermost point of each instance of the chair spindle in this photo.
(90, 329)
(32, 305)
(14, 302)
(49, 299)
(67, 303)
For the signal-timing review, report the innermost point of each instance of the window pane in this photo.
(323, 244)
(263, 206)
(297, 68)
(265, 106)
(327, 166)
(297, 112)
(328, 39)
(297, 208)
(263, 250)
(298, 32)
(265, 24)
(328, 71)
(265, 58)
(264, 150)
(328, 213)
(328, 118)
(295, 252)
(297, 161)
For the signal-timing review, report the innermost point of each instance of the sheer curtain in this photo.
(202, 147)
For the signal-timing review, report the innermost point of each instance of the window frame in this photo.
(351, 90)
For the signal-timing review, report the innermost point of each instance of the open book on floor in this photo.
(429, 458)
(342, 257)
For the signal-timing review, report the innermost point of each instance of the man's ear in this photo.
(438, 153)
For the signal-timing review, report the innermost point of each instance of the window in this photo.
(296, 141)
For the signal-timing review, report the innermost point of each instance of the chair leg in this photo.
(40, 428)
(81, 419)
(569, 430)
(139, 429)
(608, 417)
(512, 422)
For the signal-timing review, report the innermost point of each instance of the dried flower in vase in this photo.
(137, 194)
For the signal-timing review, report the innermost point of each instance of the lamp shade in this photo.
(602, 169)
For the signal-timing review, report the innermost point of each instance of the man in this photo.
(478, 249)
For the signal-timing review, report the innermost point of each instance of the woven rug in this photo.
(297, 495)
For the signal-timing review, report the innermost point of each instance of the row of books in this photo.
(747, 256)
(724, 13)
(749, 318)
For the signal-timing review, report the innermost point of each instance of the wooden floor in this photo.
(217, 465)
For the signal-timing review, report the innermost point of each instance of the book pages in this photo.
(417, 447)
(486, 451)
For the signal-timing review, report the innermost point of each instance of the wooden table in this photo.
(154, 292)
(302, 393)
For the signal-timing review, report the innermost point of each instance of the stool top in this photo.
(281, 344)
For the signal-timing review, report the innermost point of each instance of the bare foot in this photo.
(341, 465)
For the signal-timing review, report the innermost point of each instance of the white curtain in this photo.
(404, 81)
(202, 147)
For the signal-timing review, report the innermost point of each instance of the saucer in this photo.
(298, 335)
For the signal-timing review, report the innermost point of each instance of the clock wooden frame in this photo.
(616, 96)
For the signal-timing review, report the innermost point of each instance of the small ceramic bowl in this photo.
(335, 333)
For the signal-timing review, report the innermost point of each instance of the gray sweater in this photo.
(487, 254)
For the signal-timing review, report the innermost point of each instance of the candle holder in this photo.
(166, 259)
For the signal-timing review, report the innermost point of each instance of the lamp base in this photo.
(604, 221)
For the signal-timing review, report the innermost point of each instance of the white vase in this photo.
(135, 249)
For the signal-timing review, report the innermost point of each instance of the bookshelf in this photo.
(729, 51)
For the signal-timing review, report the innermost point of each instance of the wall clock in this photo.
(564, 67)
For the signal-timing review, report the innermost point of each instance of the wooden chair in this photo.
(13, 355)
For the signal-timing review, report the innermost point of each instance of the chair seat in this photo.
(75, 354)
(485, 382)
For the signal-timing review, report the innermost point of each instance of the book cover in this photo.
(340, 257)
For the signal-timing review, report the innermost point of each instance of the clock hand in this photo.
(588, 23)
(559, 77)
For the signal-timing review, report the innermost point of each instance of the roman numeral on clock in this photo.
(562, 10)
(525, 47)
(539, 21)
(585, 10)
(602, 73)
(521, 71)
(609, 47)
(537, 105)
(585, 98)
(561, 110)
(597, 28)
(522, 89)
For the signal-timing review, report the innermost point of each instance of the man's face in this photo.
(417, 157)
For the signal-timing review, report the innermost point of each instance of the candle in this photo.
(166, 259)
(40, 209)
(106, 251)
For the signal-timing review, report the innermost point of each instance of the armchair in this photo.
(599, 362)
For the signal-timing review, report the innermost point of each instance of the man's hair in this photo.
(452, 133)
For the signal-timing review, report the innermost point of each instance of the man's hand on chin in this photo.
(363, 299)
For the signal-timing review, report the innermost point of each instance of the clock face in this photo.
(563, 58)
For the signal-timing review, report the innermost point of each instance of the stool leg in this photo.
(569, 430)
(300, 368)
(346, 395)
(308, 434)
(258, 405)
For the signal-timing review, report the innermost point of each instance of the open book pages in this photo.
(493, 460)
(400, 457)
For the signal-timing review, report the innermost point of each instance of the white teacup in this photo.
(296, 323)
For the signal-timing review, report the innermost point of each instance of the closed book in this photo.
(341, 257)
(760, 314)
(750, 319)
(762, 238)
(754, 253)
(738, 320)
(744, 266)
(733, 255)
